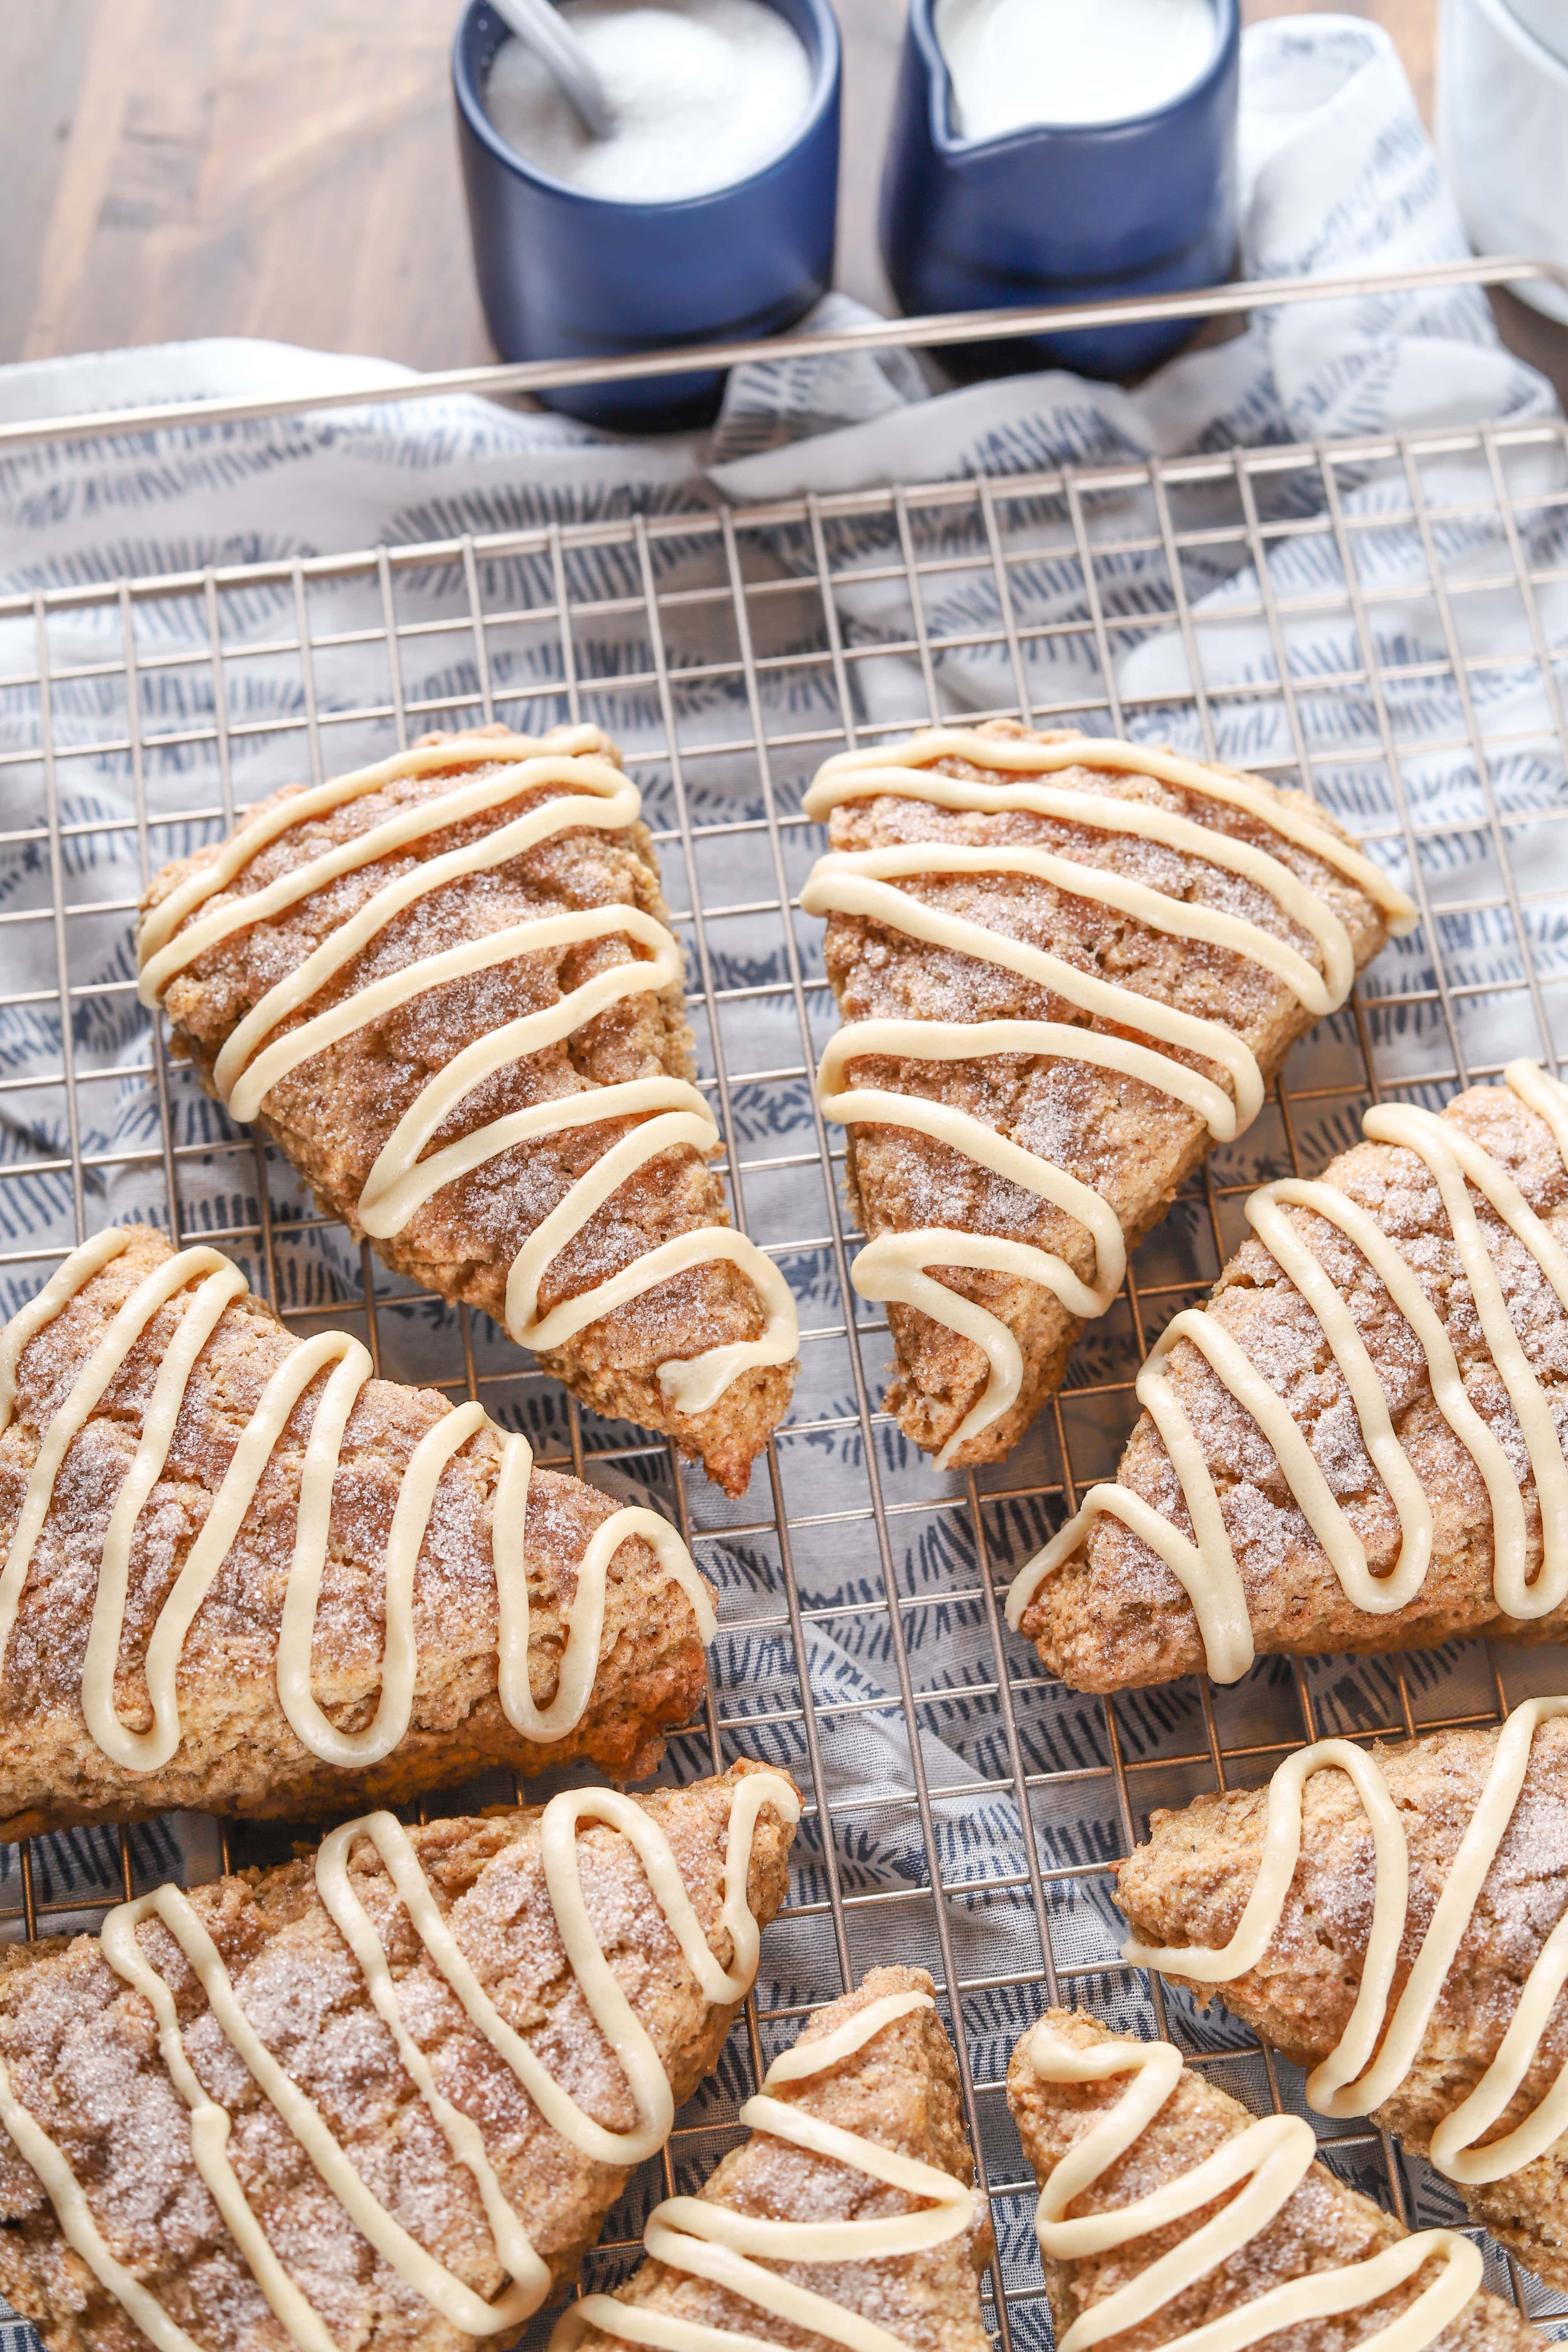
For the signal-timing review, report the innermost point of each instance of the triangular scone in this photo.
(1305, 2225)
(346, 2102)
(1068, 966)
(242, 1575)
(449, 959)
(1473, 1822)
(872, 2080)
(1349, 1447)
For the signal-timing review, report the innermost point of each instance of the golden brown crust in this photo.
(901, 2092)
(331, 1116)
(84, 2060)
(238, 1752)
(1114, 1616)
(1323, 2225)
(1188, 1885)
(1135, 1145)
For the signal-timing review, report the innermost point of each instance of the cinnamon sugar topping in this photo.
(271, 1041)
(612, 2013)
(1264, 2164)
(731, 2250)
(1206, 1565)
(218, 1283)
(864, 883)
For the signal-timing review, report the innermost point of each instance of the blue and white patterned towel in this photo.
(1337, 174)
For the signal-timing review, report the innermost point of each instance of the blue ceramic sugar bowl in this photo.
(1062, 213)
(564, 273)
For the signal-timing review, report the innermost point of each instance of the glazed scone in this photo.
(355, 2072)
(1484, 1816)
(1407, 1507)
(1319, 2226)
(875, 2065)
(244, 1576)
(1143, 938)
(445, 958)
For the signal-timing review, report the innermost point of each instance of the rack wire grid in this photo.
(732, 650)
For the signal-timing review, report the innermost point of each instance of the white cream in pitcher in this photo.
(704, 92)
(1017, 62)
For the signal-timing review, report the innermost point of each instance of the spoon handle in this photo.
(557, 46)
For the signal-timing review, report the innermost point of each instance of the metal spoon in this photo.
(557, 46)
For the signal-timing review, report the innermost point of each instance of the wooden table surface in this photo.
(287, 168)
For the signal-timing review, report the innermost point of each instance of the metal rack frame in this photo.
(742, 570)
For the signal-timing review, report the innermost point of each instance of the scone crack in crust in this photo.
(1184, 1892)
(874, 2073)
(1318, 2226)
(337, 1113)
(1462, 1403)
(221, 1736)
(83, 2063)
(1123, 1140)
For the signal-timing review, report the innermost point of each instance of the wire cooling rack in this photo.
(961, 1808)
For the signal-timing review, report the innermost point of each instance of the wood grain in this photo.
(287, 168)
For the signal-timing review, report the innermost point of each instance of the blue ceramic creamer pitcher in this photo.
(1061, 213)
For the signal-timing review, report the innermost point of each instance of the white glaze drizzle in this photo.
(1271, 2158)
(707, 2241)
(211, 2124)
(1207, 1569)
(1352, 2081)
(599, 797)
(862, 882)
(218, 1285)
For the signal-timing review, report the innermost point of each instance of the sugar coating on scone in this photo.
(341, 1111)
(238, 1749)
(82, 2060)
(1113, 1614)
(896, 2092)
(1124, 1136)
(1322, 2226)
(1189, 1885)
